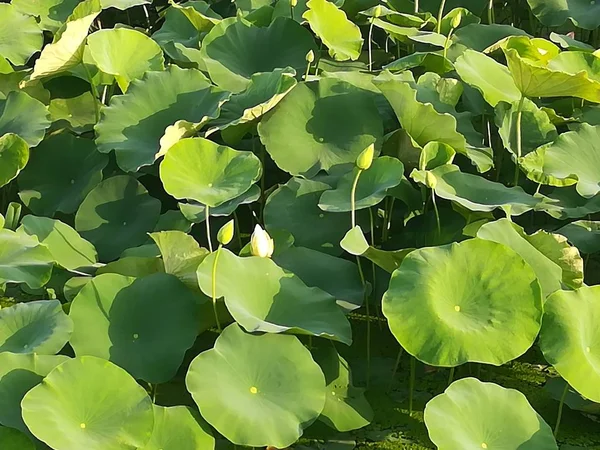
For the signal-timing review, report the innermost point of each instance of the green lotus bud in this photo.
(293, 3)
(261, 243)
(365, 159)
(310, 56)
(456, 20)
(430, 180)
(225, 234)
(377, 11)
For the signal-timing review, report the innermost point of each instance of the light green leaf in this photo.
(24, 260)
(14, 154)
(20, 35)
(25, 116)
(584, 234)
(553, 13)
(179, 428)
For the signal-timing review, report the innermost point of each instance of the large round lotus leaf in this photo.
(34, 327)
(67, 247)
(584, 234)
(346, 407)
(385, 173)
(336, 276)
(24, 260)
(570, 338)
(61, 171)
(23, 115)
(20, 35)
(571, 159)
(201, 170)
(294, 207)
(281, 302)
(123, 4)
(134, 123)
(480, 300)
(564, 203)
(552, 13)
(52, 13)
(124, 320)
(234, 50)
(179, 428)
(11, 439)
(196, 212)
(18, 374)
(257, 390)
(551, 271)
(263, 93)
(116, 215)
(479, 36)
(89, 403)
(341, 36)
(477, 193)
(127, 54)
(14, 154)
(472, 415)
(320, 124)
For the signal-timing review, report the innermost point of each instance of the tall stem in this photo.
(374, 272)
(396, 366)
(451, 376)
(214, 287)
(364, 286)
(560, 408)
(371, 45)
(519, 139)
(440, 17)
(94, 92)
(416, 6)
(411, 387)
(437, 214)
(491, 12)
(353, 199)
(207, 220)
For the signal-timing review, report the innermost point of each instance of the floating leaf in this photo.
(52, 13)
(14, 154)
(274, 388)
(584, 234)
(20, 35)
(179, 428)
(24, 260)
(25, 116)
(553, 13)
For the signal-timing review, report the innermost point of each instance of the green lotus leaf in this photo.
(70, 408)
(477, 193)
(569, 160)
(575, 62)
(480, 37)
(181, 255)
(201, 170)
(354, 241)
(76, 113)
(67, 247)
(150, 346)
(196, 212)
(408, 34)
(11, 439)
(123, 4)
(549, 272)
(234, 50)
(482, 300)
(66, 51)
(14, 154)
(20, 35)
(385, 173)
(569, 338)
(294, 207)
(73, 286)
(320, 124)
(2, 220)
(536, 127)
(61, 171)
(346, 407)
(336, 276)
(134, 123)
(492, 79)
(433, 6)
(34, 327)
(342, 37)
(582, 13)
(116, 215)
(263, 93)
(173, 220)
(431, 62)
(467, 414)
(574, 400)
(565, 203)
(179, 428)
(52, 13)
(23, 259)
(18, 374)
(281, 302)
(257, 390)
(584, 234)
(25, 116)
(133, 266)
(127, 54)
(568, 43)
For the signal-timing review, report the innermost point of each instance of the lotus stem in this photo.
(416, 6)
(440, 17)
(491, 12)
(214, 287)
(374, 273)
(371, 45)
(366, 298)
(560, 408)
(519, 138)
(352, 197)
(94, 92)
(396, 366)
(238, 234)
(147, 17)
(207, 220)
(437, 214)
(411, 387)
(451, 375)
(307, 71)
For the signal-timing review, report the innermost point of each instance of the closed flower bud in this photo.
(430, 180)
(310, 56)
(365, 159)
(225, 234)
(293, 3)
(261, 243)
(456, 20)
(377, 11)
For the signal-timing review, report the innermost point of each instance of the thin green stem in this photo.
(307, 71)
(352, 197)
(291, 11)
(207, 220)
(236, 224)
(411, 386)
(371, 45)
(94, 92)
(214, 287)
(491, 12)
(437, 214)
(447, 41)
(451, 375)
(560, 408)
(366, 298)
(440, 17)
(374, 272)
(519, 139)
(416, 6)
(396, 366)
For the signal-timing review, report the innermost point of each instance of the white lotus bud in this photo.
(225, 234)
(310, 56)
(261, 243)
(365, 159)
(293, 3)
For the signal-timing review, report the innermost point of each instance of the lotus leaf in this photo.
(25, 116)
(23, 259)
(483, 301)
(76, 113)
(257, 390)
(20, 35)
(481, 37)
(584, 234)
(11, 439)
(196, 212)
(179, 428)
(70, 408)
(467, 415)
(14, 154)
(52, 13)
(583, 13)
